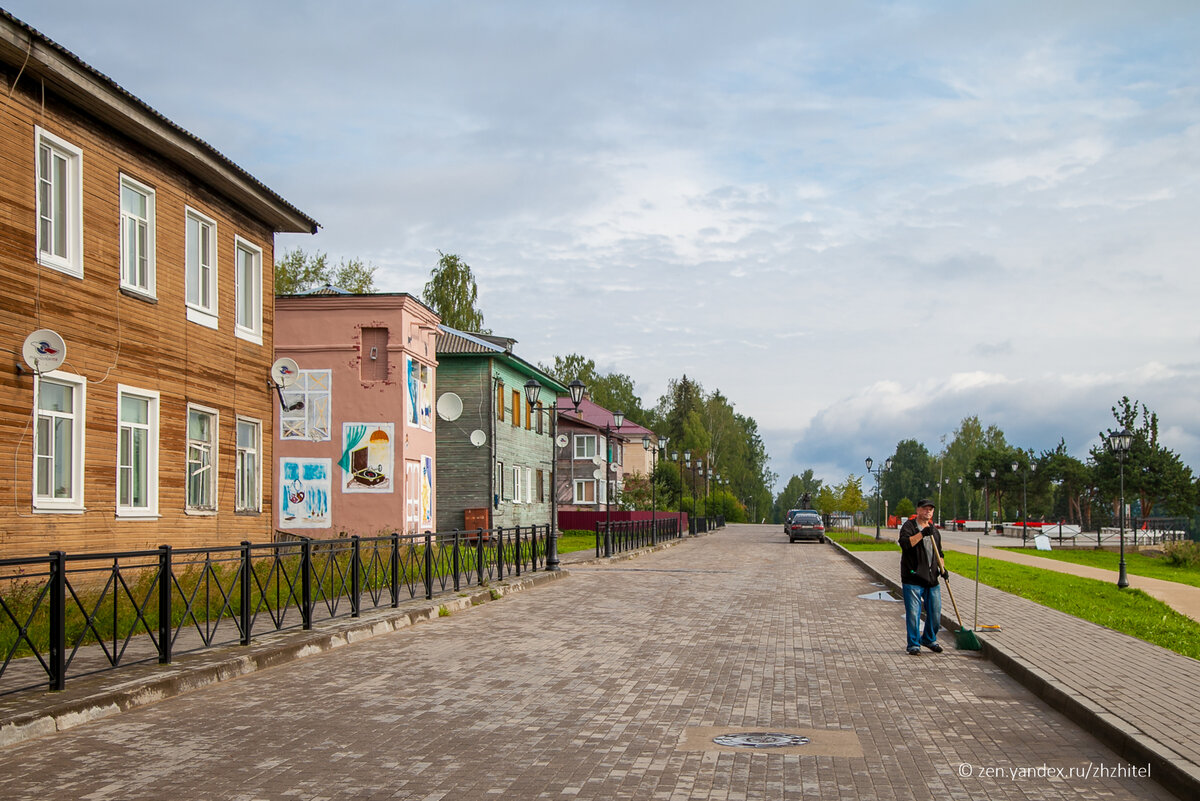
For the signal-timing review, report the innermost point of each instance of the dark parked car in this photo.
(806, 525)
(787, 519)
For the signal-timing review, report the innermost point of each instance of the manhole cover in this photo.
(761, 739)
(882, 595)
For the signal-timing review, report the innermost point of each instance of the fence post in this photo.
(164, 604)
(306, 584)
(608, 540)
(479, 556)
(58, 620)
(247, 575)
(428, 565)
(499, 553)
(395, 569)
(457, 562)
(355, 576)
(596, 525)
(518, 557)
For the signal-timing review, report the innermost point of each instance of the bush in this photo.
(1182, 553)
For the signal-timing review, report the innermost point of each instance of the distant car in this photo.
(787, 519)
(805, 525)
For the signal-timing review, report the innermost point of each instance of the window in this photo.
(305, 412)
(528, 485)
(373, 355)
(137, 236)
(540, 409)
(59, 200)
(201, 459)
(585, 446)
(201, 268)
(137, 452)
(499, 479)
(500, 401)
(248, 265)
(58, 441)
(516, 410)
(541, 486)
(419, 393)
(528, 417)
(518, 484)
(248, 472)
(585, 491)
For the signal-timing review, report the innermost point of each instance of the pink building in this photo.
(355, 445)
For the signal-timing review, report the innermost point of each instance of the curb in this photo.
(1169, 769)
(144, 684)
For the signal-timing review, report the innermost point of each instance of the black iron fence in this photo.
(137, 606)
(628, 535)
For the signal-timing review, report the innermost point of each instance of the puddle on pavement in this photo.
(882, 595)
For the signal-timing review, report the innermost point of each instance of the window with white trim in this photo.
(518, 475)
(137, 452)
(248, 324)
(137, 236)
(201, 459)
(585, 491)
(58, 441)
(585, 446)
(200, 259)
(528, 485)
(306, 405)
(248, 470)
(59, 200)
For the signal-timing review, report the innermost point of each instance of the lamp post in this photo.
(1119, 443)
(654, 451)
(956, 502)
(1024, 499)
(533, 391)
(617, 419)
(878, 473)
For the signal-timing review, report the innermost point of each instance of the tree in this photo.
(1072, 477)
(613, 391)
(912, 469)
(792, 495)
(451, 292)
(1153, 472)
(297, 271)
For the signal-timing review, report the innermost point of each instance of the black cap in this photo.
(925, 502)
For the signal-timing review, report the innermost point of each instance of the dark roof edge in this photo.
(101, 97)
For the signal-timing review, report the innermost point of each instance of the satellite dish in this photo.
(449, 407)
(613, 467)
(597, 474)
(561, 440)
(478, 437)
(285, 372)
(44, 350)
(596, 460)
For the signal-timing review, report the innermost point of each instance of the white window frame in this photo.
(70, 261)
(78, 414)
(577, 497)
(127, 280)
(518, 475)
(585, 440)
(214, 445)
(316, 400)
(150, 510)
(197, 311)
(252, 501)
(250, 329)
(528, 485)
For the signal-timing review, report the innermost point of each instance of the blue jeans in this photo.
(916, 600)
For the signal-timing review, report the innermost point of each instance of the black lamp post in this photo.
(617, 419)
(1119, 443)
(533, 391)
(1024, 499)
(654, 451)
(878, 473)
(956, 502)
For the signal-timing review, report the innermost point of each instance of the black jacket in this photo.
(914, 566)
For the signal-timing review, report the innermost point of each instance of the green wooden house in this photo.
(495, 452)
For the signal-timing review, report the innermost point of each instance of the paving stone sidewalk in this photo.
(609, 684)
(1142, 699)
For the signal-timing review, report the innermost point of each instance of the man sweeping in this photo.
(920, 568)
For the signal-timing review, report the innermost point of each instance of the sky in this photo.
(860, 221)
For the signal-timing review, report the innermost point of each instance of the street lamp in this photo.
(956, 502)
(617, 419)
(1024, 499)
(1119, 443)
(533, 391)
(878, 473)
(655, 450)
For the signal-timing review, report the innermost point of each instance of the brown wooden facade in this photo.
(116, 338)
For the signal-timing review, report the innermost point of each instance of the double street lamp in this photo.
(533, 391)
(987, 512)
(1119, 443)
(654, 452)
(617, 419)
(1024, 498)
(878, 473)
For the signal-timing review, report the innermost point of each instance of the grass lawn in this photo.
(1129, 611)
(1135, 563)
(855, 541)
(575, 540)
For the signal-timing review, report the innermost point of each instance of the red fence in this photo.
(587, 521)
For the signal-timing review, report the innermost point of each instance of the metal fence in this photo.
(628, 535)
(137, 606)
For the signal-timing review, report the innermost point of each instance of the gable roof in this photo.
(596, 416)
(40, 59)
(452, 343)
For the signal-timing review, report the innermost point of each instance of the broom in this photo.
(964, 639)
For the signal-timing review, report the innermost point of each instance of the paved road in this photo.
(607, 685)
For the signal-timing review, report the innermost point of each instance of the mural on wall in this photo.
(304, 493)
(419, 397)
(427, 492)
(368, 457)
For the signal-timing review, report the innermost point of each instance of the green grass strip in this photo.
(1128, 611)
(1136, 564)
(854, 541)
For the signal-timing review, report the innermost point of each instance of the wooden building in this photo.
(495, 452)
(151, 255)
